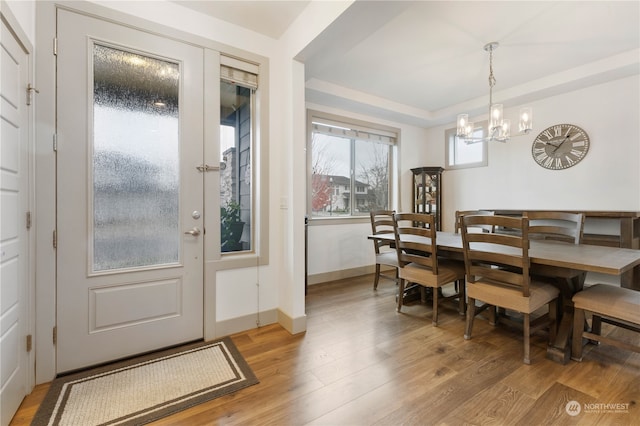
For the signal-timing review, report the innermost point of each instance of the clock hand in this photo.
(554, 142)
(561, 143)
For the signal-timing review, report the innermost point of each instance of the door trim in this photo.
(30, 321)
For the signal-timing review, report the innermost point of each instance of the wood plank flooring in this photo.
(361, 363)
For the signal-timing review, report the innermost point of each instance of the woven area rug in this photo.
(143, 389)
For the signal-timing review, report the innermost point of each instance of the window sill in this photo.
(319, 221)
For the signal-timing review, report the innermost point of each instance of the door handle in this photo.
(195, 231)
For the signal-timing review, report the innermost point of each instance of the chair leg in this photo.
(400, 294)
(527, 338)
(553, 320)
(471, 313)
(493, 315)
(596, 324)
(578, 328)
(377, 277)
(435, 307)
(596, 327)
(461, 297)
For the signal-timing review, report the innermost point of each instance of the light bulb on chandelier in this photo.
(499, 128)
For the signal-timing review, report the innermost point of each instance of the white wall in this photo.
(25, 13)
(288, 158)
(608, 178)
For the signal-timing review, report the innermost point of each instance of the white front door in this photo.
(14, 240)
(129, 194)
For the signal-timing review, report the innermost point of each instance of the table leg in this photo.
(560, 351)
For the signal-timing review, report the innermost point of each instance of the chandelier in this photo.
(499, 128)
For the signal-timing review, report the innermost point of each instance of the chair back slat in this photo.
(415, 236)
(555, 225)
(381, 223)
(503, 258)
(461, 213)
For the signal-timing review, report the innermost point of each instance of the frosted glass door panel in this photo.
(136, 170)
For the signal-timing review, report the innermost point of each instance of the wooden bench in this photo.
(613, 305)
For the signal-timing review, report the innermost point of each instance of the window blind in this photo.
(239, 72)
(335, 128)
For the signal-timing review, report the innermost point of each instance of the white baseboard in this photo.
(344, 273)
(249, 322)
(246, 322)
(292, 325)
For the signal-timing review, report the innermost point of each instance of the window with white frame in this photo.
(460, 155)
(237, 108)
(351, 166)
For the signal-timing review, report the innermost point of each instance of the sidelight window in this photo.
(237, 89)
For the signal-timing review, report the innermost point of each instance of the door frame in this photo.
(12, 23)
(45, 172)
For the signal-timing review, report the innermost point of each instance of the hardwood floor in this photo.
(361, 363)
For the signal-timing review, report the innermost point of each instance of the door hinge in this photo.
(55, 335)
(55, 142)
(55, 239)
(55, 46)
(29, 342)
(28, 220)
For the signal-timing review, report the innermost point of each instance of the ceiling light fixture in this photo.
(499, 128)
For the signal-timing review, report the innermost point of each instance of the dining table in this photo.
(581, 257)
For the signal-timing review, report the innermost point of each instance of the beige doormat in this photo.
(143, 389)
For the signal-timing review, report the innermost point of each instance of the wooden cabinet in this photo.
(427, 192)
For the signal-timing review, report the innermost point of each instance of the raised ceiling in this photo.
(270, 18)
(422, 62)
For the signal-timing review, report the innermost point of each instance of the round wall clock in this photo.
(560, 146)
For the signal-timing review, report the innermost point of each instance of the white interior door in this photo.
(14, 181)
(129, 195)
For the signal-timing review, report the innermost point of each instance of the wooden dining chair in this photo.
(497, 267)
(461, 213)
(556, 225)
(564, 227)
(417, 252)
(382, 223)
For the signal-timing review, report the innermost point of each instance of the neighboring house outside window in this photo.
(349, 158)
(237, 109)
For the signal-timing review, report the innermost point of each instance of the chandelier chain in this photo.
(492, 79)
